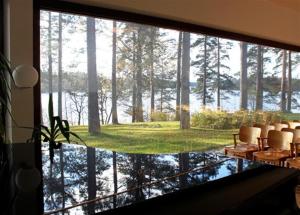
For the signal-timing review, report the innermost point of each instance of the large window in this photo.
(152, 81)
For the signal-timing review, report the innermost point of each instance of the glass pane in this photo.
(131, 88)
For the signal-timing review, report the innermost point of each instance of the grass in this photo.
(155, 137)
(291, 116)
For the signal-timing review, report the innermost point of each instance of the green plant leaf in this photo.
(50, 112)
(77, 136)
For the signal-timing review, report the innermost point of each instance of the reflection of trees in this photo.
(91, 177)
(115, 177)
(137, 170)
(183, 159)
(80, 182)
(88, 173)
(240, 165)
(208, 162)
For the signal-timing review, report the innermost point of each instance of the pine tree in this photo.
(185, 83)
(243, 77)
(283, 82)
(113, 75)
(60, 65)
(93, 109)
(178, 77)
(289, 82)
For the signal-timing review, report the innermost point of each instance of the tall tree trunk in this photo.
(152, 87)
(114, 76)
(204, 73)
(101, 103)
(79, 119)
(50, 60)
(178, 80)
(134, 88)
(115, 176)
(185, 83)
(283, 82)
(91, 174)
(161, 99)
(66, 109)
(290, 87)
(59, 102)
(243, 77)
(139, 75)
(134, 98)
(218, 78)
(93, 108)
(259, 79)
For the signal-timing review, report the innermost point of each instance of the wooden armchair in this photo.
(295, 161)
(293, 124)
(246, 144)
(264, 134)
(279, 150)
(279, 126)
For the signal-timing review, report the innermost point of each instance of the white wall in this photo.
(18, 22)
(19, 50)
(277, 20)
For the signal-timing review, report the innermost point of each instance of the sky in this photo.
(74, 42)
(77, 41)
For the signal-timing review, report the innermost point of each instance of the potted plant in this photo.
(5, 77)
(57, 132)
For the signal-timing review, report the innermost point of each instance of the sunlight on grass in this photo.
(155, 137)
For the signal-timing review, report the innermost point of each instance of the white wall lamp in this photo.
(25, 76)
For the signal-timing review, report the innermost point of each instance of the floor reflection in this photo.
(81, 174)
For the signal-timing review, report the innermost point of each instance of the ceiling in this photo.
(277, 20)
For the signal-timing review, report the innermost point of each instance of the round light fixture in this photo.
(28, 179)
(25, 76)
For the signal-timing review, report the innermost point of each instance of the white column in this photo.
(18, 20)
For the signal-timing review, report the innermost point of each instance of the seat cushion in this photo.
(271, 155)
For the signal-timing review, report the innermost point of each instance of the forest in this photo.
(113, 72)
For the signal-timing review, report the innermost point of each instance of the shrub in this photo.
(161, 116)
(220, 119)
(212, 119)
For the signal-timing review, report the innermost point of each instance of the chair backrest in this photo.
(296, 133)
(280, 140)
(293, 125)
(279, 126)
(249, 134)
(264, 129)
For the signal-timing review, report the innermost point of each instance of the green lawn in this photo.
(155, 137)
(291, 116)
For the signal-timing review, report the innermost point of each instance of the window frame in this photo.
(101, 12)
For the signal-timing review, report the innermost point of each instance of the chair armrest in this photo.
(261, 141)
(292, 150)
(234, 139)
(296, 146)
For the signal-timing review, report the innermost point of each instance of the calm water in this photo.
(230, 104)
(80, 173)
